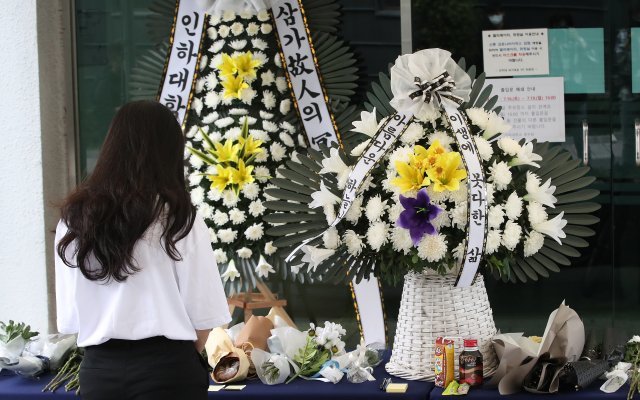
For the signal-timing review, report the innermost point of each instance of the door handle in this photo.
(637, 130)
(585, 141)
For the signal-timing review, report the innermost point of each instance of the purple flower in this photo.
(417, 216)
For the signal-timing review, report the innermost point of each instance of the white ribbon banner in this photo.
(175, 92)
(302, 72)
(477, 196)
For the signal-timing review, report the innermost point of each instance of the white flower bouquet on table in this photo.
(412, 209)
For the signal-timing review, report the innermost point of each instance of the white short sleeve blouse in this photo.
(164, 298)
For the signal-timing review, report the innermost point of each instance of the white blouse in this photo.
(164, 298)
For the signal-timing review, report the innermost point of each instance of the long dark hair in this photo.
(138, 178)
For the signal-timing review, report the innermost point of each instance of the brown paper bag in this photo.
(229, 363)
(256, 332)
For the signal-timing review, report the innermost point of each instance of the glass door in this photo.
(591, 45)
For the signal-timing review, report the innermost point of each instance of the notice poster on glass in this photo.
(533, 106)
(635, 60)
(577, 54)
(515, 52)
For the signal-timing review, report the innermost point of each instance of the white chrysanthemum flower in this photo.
(197, 195)
(285, 106)
(511, 235)
(209, 119)
(214, 19)
(191, 132)
(542, 194)
(237, 217)
(509, 146)
(513, 206)
(554, 228)
(401, 240)
(287, 139)
(220, 256)
(247, 95)
(277, 61)
(394, 211)
(223, 31)
(214, 194)
(196, 105)
(195, 178)
(269, 248)
(237, 29)
(224, 122)
(268, 99)
(212, 32)
(412, 134)
(266, 29)
(254, 232)
(375, 208)
(401, 154)
(281, 84)
(485, 150)
(260, 56)
(494, 238)
(244, 252)
(251, 190)
(263, 15)
(220, 218)
(302, 141)
(537, 213)
(495, 218)
(247, 13)
(261, 173)
(287, 126)
(353, 241)
(278, 151)
(459, 196)
(377, 235)
(261, 45)
(238, 44)
(458, 251)
(230, 198)
(205, 210)
(256, 208)
(233, 134)
(261, 157)
(228, 15)
(367, 124)
(259, 134)
(213, 236)
(443, 219)
(253, 29)
(533, 243)
(490, 122)
(432, 247)
(231, 273)
(266, 115)
(355, 211)
(239, 111)
(445, 139)
(459, 216)
(200, 84)
(331, 238)
(215, 49)
(267, 78)
(500, 175)
(634, 339)
(270, 126)
(263, 269)
(227, 235)
(526, 156)
(211, 100)
(203, 62)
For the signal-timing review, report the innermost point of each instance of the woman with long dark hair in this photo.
(136, 277)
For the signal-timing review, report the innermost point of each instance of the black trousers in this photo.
(149, 369)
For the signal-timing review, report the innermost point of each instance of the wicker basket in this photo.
(430, 307)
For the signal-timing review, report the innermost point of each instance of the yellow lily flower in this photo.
(250, 146)
(445, 174)
(233, 87)
(246, 65)
(242, 175)
(227, 152)
(227, 67)
(222, 179)
(410, 177)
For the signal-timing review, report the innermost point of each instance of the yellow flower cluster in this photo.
(236, 72)
(433, 166)
(232, 160)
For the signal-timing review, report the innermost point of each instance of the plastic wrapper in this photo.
(9, 352)
(40, 355)
(272, 369)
